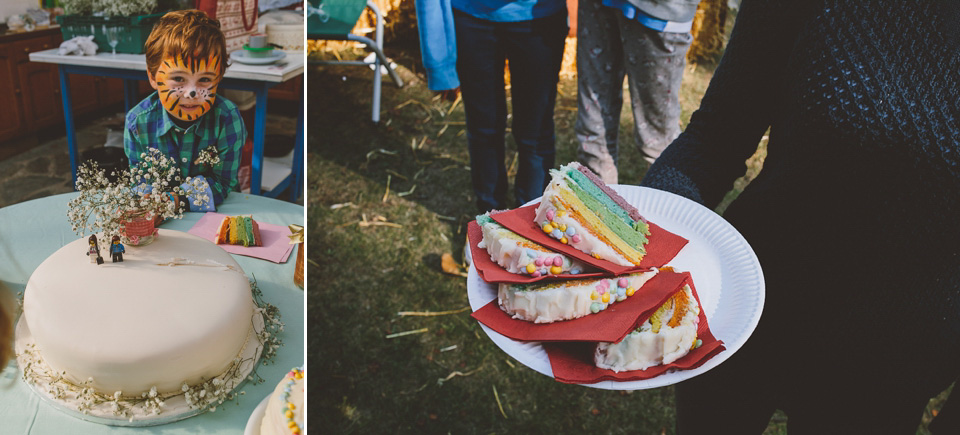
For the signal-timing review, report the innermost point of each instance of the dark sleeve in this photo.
(737, 108)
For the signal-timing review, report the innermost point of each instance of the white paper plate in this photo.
(723, 266)
(243, 57)
(253, 423)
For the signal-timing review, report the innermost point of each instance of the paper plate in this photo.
(243, 57)
(723, 266)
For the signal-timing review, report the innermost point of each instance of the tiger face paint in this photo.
(187, 87)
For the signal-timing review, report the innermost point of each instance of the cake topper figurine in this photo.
(94, 251)
(116, 250)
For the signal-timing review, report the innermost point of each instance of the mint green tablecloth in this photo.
(31, 231)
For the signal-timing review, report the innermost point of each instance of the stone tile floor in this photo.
(44, 169)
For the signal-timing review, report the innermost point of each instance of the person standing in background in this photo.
(466, 44)
(646, 40)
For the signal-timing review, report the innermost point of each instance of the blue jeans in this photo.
(534, 50)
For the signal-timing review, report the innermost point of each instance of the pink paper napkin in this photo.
(276, 243)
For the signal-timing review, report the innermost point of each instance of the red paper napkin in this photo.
(572, 363)
(609, 325)
(661, 247)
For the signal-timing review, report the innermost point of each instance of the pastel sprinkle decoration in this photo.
(531, 268)
(288, 408)
(557, 261)
(622, 282)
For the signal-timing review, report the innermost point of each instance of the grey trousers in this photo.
(609, 47)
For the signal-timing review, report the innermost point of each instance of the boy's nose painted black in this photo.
(193, 94)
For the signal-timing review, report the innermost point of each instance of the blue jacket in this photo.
(438, 39)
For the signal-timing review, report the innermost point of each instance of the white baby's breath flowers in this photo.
(104, 205)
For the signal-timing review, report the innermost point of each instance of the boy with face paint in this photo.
(186, 57)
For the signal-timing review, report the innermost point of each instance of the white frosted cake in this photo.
(284, 413)
(551, 301)
(670, 333)
(173, 314)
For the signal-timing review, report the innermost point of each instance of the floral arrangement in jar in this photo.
(128, 203)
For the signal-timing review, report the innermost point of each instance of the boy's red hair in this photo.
(186, 33)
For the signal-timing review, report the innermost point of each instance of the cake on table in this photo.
(284, 413)
(520, 255)
(578, 209)
(669, 334)
(552, 301)
(176, 318)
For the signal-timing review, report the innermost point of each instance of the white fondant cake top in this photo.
(138, 324)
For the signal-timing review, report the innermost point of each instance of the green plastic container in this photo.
(131, 32)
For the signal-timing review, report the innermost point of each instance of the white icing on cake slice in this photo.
(520, 255)
(664, 338)
(546, 302)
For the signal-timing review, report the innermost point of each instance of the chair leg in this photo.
(377, 79)
(380, 56)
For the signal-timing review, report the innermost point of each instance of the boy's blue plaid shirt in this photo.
(149, 126)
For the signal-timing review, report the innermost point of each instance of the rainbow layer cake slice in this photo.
(669, 334)
(556, 300)
(520, 255)
(578, 209)
(238, 230)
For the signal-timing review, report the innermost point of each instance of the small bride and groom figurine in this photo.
(116, 250)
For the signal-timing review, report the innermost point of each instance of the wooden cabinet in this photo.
(40, 89)
(289, 90)
(11, 119)
(30, 98)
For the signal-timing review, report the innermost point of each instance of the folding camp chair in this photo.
(334, 20)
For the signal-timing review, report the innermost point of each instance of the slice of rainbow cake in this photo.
(238, 230)
(520, 255)
(578, 209)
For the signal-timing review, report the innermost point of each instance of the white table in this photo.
(133, 67)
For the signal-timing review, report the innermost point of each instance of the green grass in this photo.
(385, 202)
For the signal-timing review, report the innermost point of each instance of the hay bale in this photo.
(708, 31)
